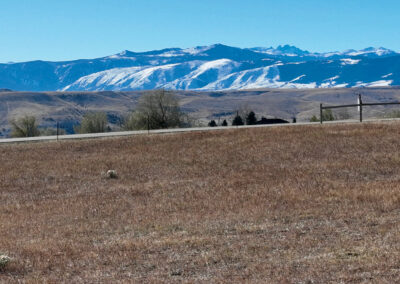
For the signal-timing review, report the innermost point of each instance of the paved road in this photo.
(175, 130)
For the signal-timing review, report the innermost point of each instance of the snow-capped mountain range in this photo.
(215, 67)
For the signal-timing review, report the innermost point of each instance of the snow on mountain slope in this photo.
(254, 78)
(123, 79)
(205, 73)
(380, 83)
(372, 51)
(286, 50)
(188, 75)
(266, 77)
(220, 74)
(212, 67)
(292, 51)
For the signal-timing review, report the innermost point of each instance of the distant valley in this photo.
(67, 108)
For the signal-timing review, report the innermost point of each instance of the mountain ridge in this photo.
(213, 67)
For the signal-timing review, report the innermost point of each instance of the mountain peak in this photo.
(124, 53)
(291, 49)
(371, 52)
(285, 50)
(215, 67)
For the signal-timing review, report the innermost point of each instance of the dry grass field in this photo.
(307, 204)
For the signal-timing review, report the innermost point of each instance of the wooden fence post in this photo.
(320, 113)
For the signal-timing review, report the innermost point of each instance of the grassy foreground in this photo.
(288, 204)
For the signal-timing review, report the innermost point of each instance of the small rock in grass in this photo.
(111, 174)
(176, 273)
(4, 260)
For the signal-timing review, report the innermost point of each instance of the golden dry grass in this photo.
(305, 204)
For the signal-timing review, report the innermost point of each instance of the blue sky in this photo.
(72, 29)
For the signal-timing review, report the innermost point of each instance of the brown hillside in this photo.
(69, 107)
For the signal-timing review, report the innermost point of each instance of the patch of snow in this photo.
(380, 83)
(119, 56)
(224, 65)
(349, 61)
(113, 56)
(378, 51)
(329, 54)
(312, 85)
(168, 54)
(255, 78)
(197, 50)
(333, 78)
(330, 83)
(387, 75)
(298, 78)
(295, 63)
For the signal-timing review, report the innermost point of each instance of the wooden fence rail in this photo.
(360, 105)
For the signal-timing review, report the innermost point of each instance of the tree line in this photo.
(156, 109)
(250, 118)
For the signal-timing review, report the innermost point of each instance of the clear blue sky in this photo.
(72, 29)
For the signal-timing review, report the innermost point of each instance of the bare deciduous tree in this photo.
(157, 109)
(24, 127)
(93, 122)
(243, 110)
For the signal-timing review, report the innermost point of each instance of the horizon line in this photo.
(197, 46)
